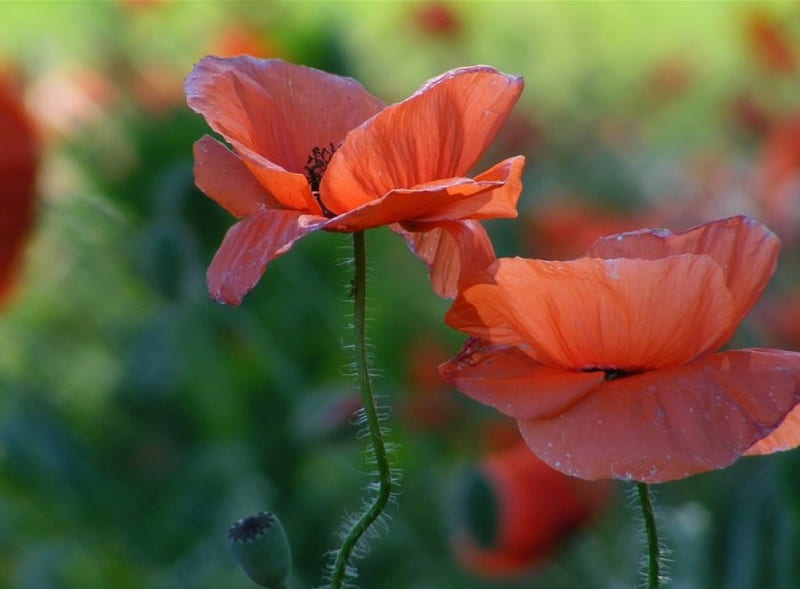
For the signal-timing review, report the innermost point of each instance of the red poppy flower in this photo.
(769, 43)
(513, 510)
(312, 150)
(779, 174)
(18, 162)
(437, 19)
(607, 362)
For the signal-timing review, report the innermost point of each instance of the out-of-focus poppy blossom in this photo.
(779, 170)
(312, 151)
(749, 115)
(66, 100)
(512, 510)
(18, 163)
(768, 43)
(428, 404)
(668, 78)
(437, 18)
(239, 38)
(564, 227)
(778, 321)
(607, 362)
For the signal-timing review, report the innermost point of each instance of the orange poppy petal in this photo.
(274, 113)
(221, 175)
(292, 191)
(453, 252)
(481, 311)
(492, 194)
(514, 384)
(619, 314)
(668, 424)
(249, 245)
(439, 132)
(745, 249)
(786, 437)
(277, 109)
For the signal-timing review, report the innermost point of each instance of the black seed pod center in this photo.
(315, 167)
(250, 528)
(610, 373)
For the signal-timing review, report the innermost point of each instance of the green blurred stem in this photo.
(653, 553)
(368, 400)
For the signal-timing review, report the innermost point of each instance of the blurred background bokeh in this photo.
(138, 419)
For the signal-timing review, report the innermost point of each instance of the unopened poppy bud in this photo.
(260, 545)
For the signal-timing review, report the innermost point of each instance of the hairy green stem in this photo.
(653, 550)
(378, 504)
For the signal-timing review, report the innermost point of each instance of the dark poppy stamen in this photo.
(315, 167)
(610, 373)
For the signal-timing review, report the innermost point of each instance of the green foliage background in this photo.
(138, 419)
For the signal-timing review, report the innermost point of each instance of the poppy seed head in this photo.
(250, 528)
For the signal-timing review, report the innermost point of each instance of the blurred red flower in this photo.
(513, 510)
(668, 78)
(239, 38)
(18, 163)
(779, 175)
(563, 227)
(768, 42)
(437, 18)
(312, 151)
(607, 361)
(428, 403)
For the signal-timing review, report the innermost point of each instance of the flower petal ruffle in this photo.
(786, 437)
(668, 424)
(514, 384)
(274, 113)
(439, 132)
(590, 313)
(221, 175)
(249, 246)
(492, 194)
(277, 109)
(745, 249)
(453, 252)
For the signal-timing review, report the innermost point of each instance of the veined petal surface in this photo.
(453, 252)
(508, 380)
(277, 109)
(275, 113)
(221, 175)
(438, 133)
(492, 194)
(785, 437)
(745, 249)
(595, 314)
(671, 423)
(249, 246)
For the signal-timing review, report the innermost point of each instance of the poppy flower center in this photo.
(610, 373)
(315, 167)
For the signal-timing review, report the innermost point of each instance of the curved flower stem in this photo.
(653, 550)
(369, 516)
